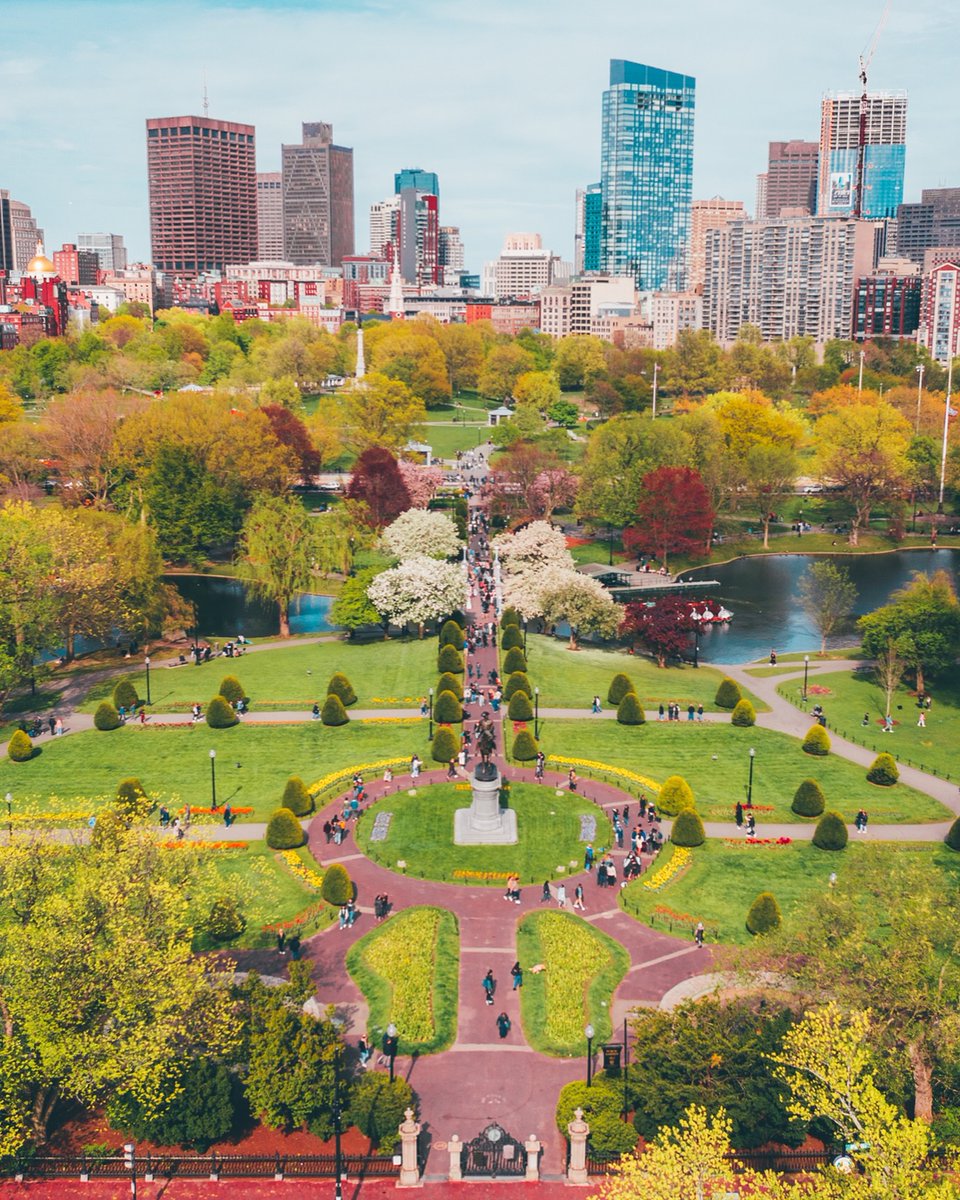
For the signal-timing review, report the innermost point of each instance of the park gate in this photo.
(494, 1152)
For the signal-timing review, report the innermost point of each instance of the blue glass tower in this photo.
(592, 226)
(646, 175)
(418, 179)
(884, 154)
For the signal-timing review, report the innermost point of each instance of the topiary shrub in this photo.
(817, 741)
(630, 710)
(514, 660)
(728, 693)
(20, 748)
(519, 681)
(603, 1097)
(284, 831)
(675, 795)
(337, 887)
(831, 832)
(447, 709)
(450, 659)
(687, 829)
(510, 617)
(231, 689)
(525, 746)
(620, 685)
(106, 717)
(764, 914)
(333, 712)
(520, 708)
(511, 637)
(341, 686)
(883, 770)
(808, 799)
(132, 799)
(448, 683)
(225, 920)
(296, 797)
(744, 714)
(953, 835)
(609, 1135)
(220, 714)
(445, 746)
(451, 634)
(377, 1106)
(125, 695)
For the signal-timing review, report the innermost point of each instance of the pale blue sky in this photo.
(500, 97)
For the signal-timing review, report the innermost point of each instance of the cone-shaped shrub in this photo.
(444, 748)
(450, 659)
(20, 748)
(630, 710)
(448, 683)
(341, 686)
(953, 835)
(514, 660)
(451, 634)
(831, 832)
(524, 746)
(883, 770)
(337, 887)
(744, 714)
(620, 684)
(106, 717)
(511, 637)
(510, 617)
(808, 799)
(675, 795)
(231, 689)
(728, 693)
(296, 797)
(817, 741)
(132, 798)
(764, 914)
(284, 831)
(226, 920)
(125, 695)
(333, 712)
(447, 709)
(519, 681)
(688, 829)
(520, 708)
(220, 715)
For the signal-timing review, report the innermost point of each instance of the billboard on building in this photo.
(841, 189)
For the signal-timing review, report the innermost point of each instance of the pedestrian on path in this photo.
(699, 712)
(489, 987)
(578, 898)
(588, 858)
(595, 707)
(545, 896)
(503, 1025)
(561, 895)
(698, 934)
(571, 780)
(516, 974)
(738, 815)
(922, 719)
(227, 815)
(538, 770)
(415, 767)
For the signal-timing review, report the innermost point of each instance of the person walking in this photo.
(698, 934)
(503, 1025)
(595, 707)
(415, 767)
(660, 713)
(578, 898)
(561, 895)
(922, 719)
(516, 974)
(588, 858)
(738, 815)
(489, 987)
(545, 896)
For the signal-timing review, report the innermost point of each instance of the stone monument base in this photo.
(484, 823)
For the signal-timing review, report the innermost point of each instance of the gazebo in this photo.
(496, 415)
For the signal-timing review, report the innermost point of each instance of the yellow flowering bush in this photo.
(622, 772)
(295, 864)
(337, 779)
(663, 875)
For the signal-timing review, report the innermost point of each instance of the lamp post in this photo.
(146, 663)
(920, 370)
(610, 545)
(753, 755)
(589, 1031)
(338, 1166)
(696, 646)
(860, 378)
(213, 780)
(524, 637)
(806, 669)
(430, 734)
(656, 376)
(390, 1043)
(10, 815)
(946, 429)
(536, 712)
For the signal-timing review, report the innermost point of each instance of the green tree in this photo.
(401, 351)
(579, 359)
(696, 366)
(353, 608)
(202, 1111)
(189, 510)
(536, 390)
(828, 594)
(922, 619)
(771, 471)
(619, 454)
(380, 411)
(502, 367)
(276, 555)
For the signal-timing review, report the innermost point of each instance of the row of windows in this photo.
(201, 131)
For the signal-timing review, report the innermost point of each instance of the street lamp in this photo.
(536, 712)
(390, 1043)
(213, 779)
(146, 663)
(806, 668)
(860, 379)
(610, 545)
(946, 428)
(430, 734)
(753, 755)
(696, 646)
(337, 1122)
(10, 815)
(920, 370)
(589, 1031)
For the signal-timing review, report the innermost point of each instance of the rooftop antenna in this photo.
(866, 58)
(206, 99)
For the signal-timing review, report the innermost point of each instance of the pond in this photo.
(225, 607)
(761, 592)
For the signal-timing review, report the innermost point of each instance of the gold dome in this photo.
(40, 264)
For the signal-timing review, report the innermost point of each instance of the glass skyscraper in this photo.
(646, 175)
(592, 226)
(884, 154)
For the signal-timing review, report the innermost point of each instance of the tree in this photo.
(553, 488)
(564, 413)
(21, 469)
(353, 608)
(664, 628)
(189, 510)
(401, 351)
(420, 589)
(380, 411)
(462, 347)
(888, 671)
(534, 546)
(377, 482)
(502, 367)
(203, 1110)
(583, 603)
(291, 432)
(923, 618)
(828, 594)
(537, 389)
(619, 454)
(84, 581)
(276, 552)
(79, 431)
(696, 366)
(771, 471)
(675, 514)
(579, 359)
(417, 531)
(339, 533)
(422, 483)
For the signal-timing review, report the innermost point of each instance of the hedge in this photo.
(514, 660)
(20, 748)
(450, 659)
(620, 685)
(630, 710)
(520, 708)
(831, 832)
(447, 708)
(336, 887)
(764, 914)
(883, 770)
(231, 689)
(524, 746)
(125, 695)
(953, 835)
(510, 616)
(675, 795)
(601, 1103)
(817, 741)
(511, 637)
(106, 717)
(448, 683)
(341, 686)
(284, 831)
(744, 714)
(451, 634)
(333, 713)
(728, 693)
(296, 797)
(220, 714)
(688, 829)
(445, 746)
(377, 1106)
(225, 921)
(519, 681)
(808, 799)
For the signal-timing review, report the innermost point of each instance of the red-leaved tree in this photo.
(290, 431)
(376, 480)
(663, 627)
(674, 514)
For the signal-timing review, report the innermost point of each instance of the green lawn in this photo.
(450, 437)
(570, 679)
(714, 760)
(79, 773)
(421, 835)
(723, 880)
(390, 674)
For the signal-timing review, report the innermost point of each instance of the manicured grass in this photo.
(570, 679)
(421, 835)
(582, 968)
(723, 880)
(450, 437)
(850, 694)
(80, 772)
(390, 674)
(408, 969)
(714, 759)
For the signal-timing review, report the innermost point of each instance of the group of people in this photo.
(34, 728)
(672, 712)
(489, 984)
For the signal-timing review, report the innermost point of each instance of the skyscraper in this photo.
(25, 232)
(202, 180)
(108, 247)
(704, 215)
(317, 198)
(791, 178)
(646, 175)
(586, 239)
(884, 154)
(417, 178)
(269, 216)
(6, 232)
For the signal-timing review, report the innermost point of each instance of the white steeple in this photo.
(395, 302)
(361, 363)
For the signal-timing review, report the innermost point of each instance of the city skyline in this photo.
(511, 134)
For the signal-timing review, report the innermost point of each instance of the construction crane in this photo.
(866, 58)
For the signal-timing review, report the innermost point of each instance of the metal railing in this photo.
(200, 1166)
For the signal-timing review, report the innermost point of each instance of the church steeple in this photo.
(395, 302)
(361, 363)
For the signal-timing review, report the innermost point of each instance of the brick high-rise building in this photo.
(202, 178)
(269, 216)
(704, 215)
(25, 232)
(791, 178)
(317, 198)
(76, 266)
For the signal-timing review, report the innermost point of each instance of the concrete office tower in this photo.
(791, 178)
(586, 237)
(26, 233)
(884, 154)
(704, 215)
(269, 216)
(452, 255)
(202, 179)
(523, 268)
(317, 198)
(109, 248)
(934, 222)
(646, 175)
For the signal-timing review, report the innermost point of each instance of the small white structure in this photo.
(485, 823)
(496, 415)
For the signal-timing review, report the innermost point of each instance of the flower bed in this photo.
(180, 844)
(664, 910)
(461, 874)
(295, 864)
(620, 772)
(305, 922)
(338, 778)
(199, 810)
(679, 860)
(741, 843)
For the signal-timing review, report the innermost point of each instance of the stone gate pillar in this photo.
(533, 1148)
(409, 1166)
(455, 1147)
(579, 1131)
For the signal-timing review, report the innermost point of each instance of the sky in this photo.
(500, 97)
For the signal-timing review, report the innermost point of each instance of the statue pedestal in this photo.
(484, 823)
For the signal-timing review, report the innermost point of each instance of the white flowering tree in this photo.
(585, 605)
(523, 590)
(417, 531)
(419, 589)
(534, 546)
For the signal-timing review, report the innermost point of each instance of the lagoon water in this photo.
(225, 607)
